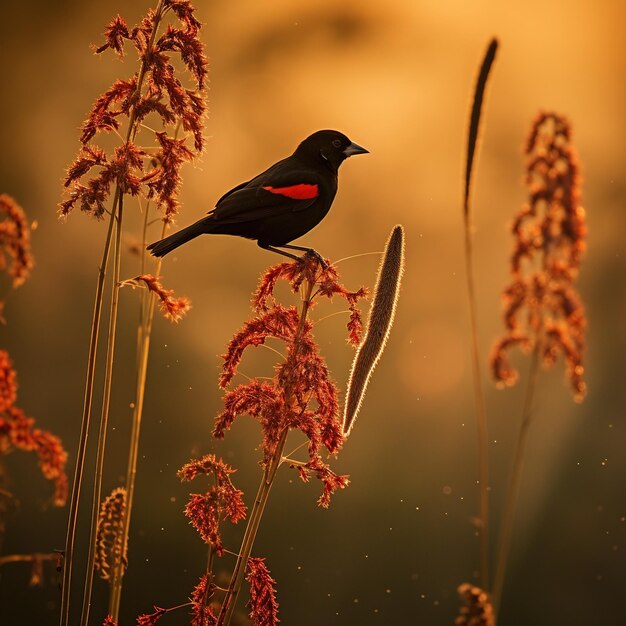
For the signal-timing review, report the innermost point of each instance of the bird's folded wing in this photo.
(281, 189)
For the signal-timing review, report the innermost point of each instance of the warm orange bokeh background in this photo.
(397, 77)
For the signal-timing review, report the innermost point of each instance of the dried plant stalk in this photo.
(95, 176)
(379, 324)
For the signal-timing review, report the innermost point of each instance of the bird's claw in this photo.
(317, 256)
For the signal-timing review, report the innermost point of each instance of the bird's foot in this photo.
(317, 256)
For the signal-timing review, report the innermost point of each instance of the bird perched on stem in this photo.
(279, 205)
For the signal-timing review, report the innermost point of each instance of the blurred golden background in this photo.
(397, 78)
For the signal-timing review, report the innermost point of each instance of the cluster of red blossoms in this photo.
(152, 91)
(301, 394)
(542, 307)
(222, 500)
(15, 256)
(18, 432)
(173, 308)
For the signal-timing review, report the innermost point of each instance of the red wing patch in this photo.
(297, 192)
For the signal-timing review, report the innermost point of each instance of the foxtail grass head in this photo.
(110, 547)
(379, 324)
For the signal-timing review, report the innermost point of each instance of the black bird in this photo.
(281, 204)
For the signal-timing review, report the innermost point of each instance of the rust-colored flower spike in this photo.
(109, 533)
(174, 309)
(152, 618)
(379, 325)
(477, 609)
(8, 382)
(222, 501)
(15, 256)
(201, 611)
(542, 309)
(17, 431)
(262, 604)
(156, 91)
(285, 401)
(109, 621)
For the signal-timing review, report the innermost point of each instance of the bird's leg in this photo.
(272, 249)
(315, 253)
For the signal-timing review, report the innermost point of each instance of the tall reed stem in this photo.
(481, 416)
(269, 473)
(504, 542)
(479, 399)
(91, 367)
(84, 430)
(144, 334)
(106, 403)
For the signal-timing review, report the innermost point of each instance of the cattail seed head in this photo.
(109, 533)
(379, 324)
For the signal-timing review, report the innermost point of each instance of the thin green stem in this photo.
(106, 401)
(84, 430)
(269, 473)
(506, 531)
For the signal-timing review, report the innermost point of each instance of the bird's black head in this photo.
(329, 147)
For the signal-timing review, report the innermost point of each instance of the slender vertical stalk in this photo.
(91, 366)
(269, 473)
(479, 399)
(84, 430)
(504, 542)
(106, 401)
(481, 417)
(144, 335)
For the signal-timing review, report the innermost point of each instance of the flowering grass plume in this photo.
(154, 94)
(477, 609)
(174, 309)
(262, 604)
(201, 611)
(222, 500)
(381, 316)
(18, 432)
(301, 395)
(109, 533)
(542, 309)
(15, 255)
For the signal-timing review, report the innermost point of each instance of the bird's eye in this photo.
(337, 143)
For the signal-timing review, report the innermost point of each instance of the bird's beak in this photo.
(354, 148)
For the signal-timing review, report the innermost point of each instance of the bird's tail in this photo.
(165, 246)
